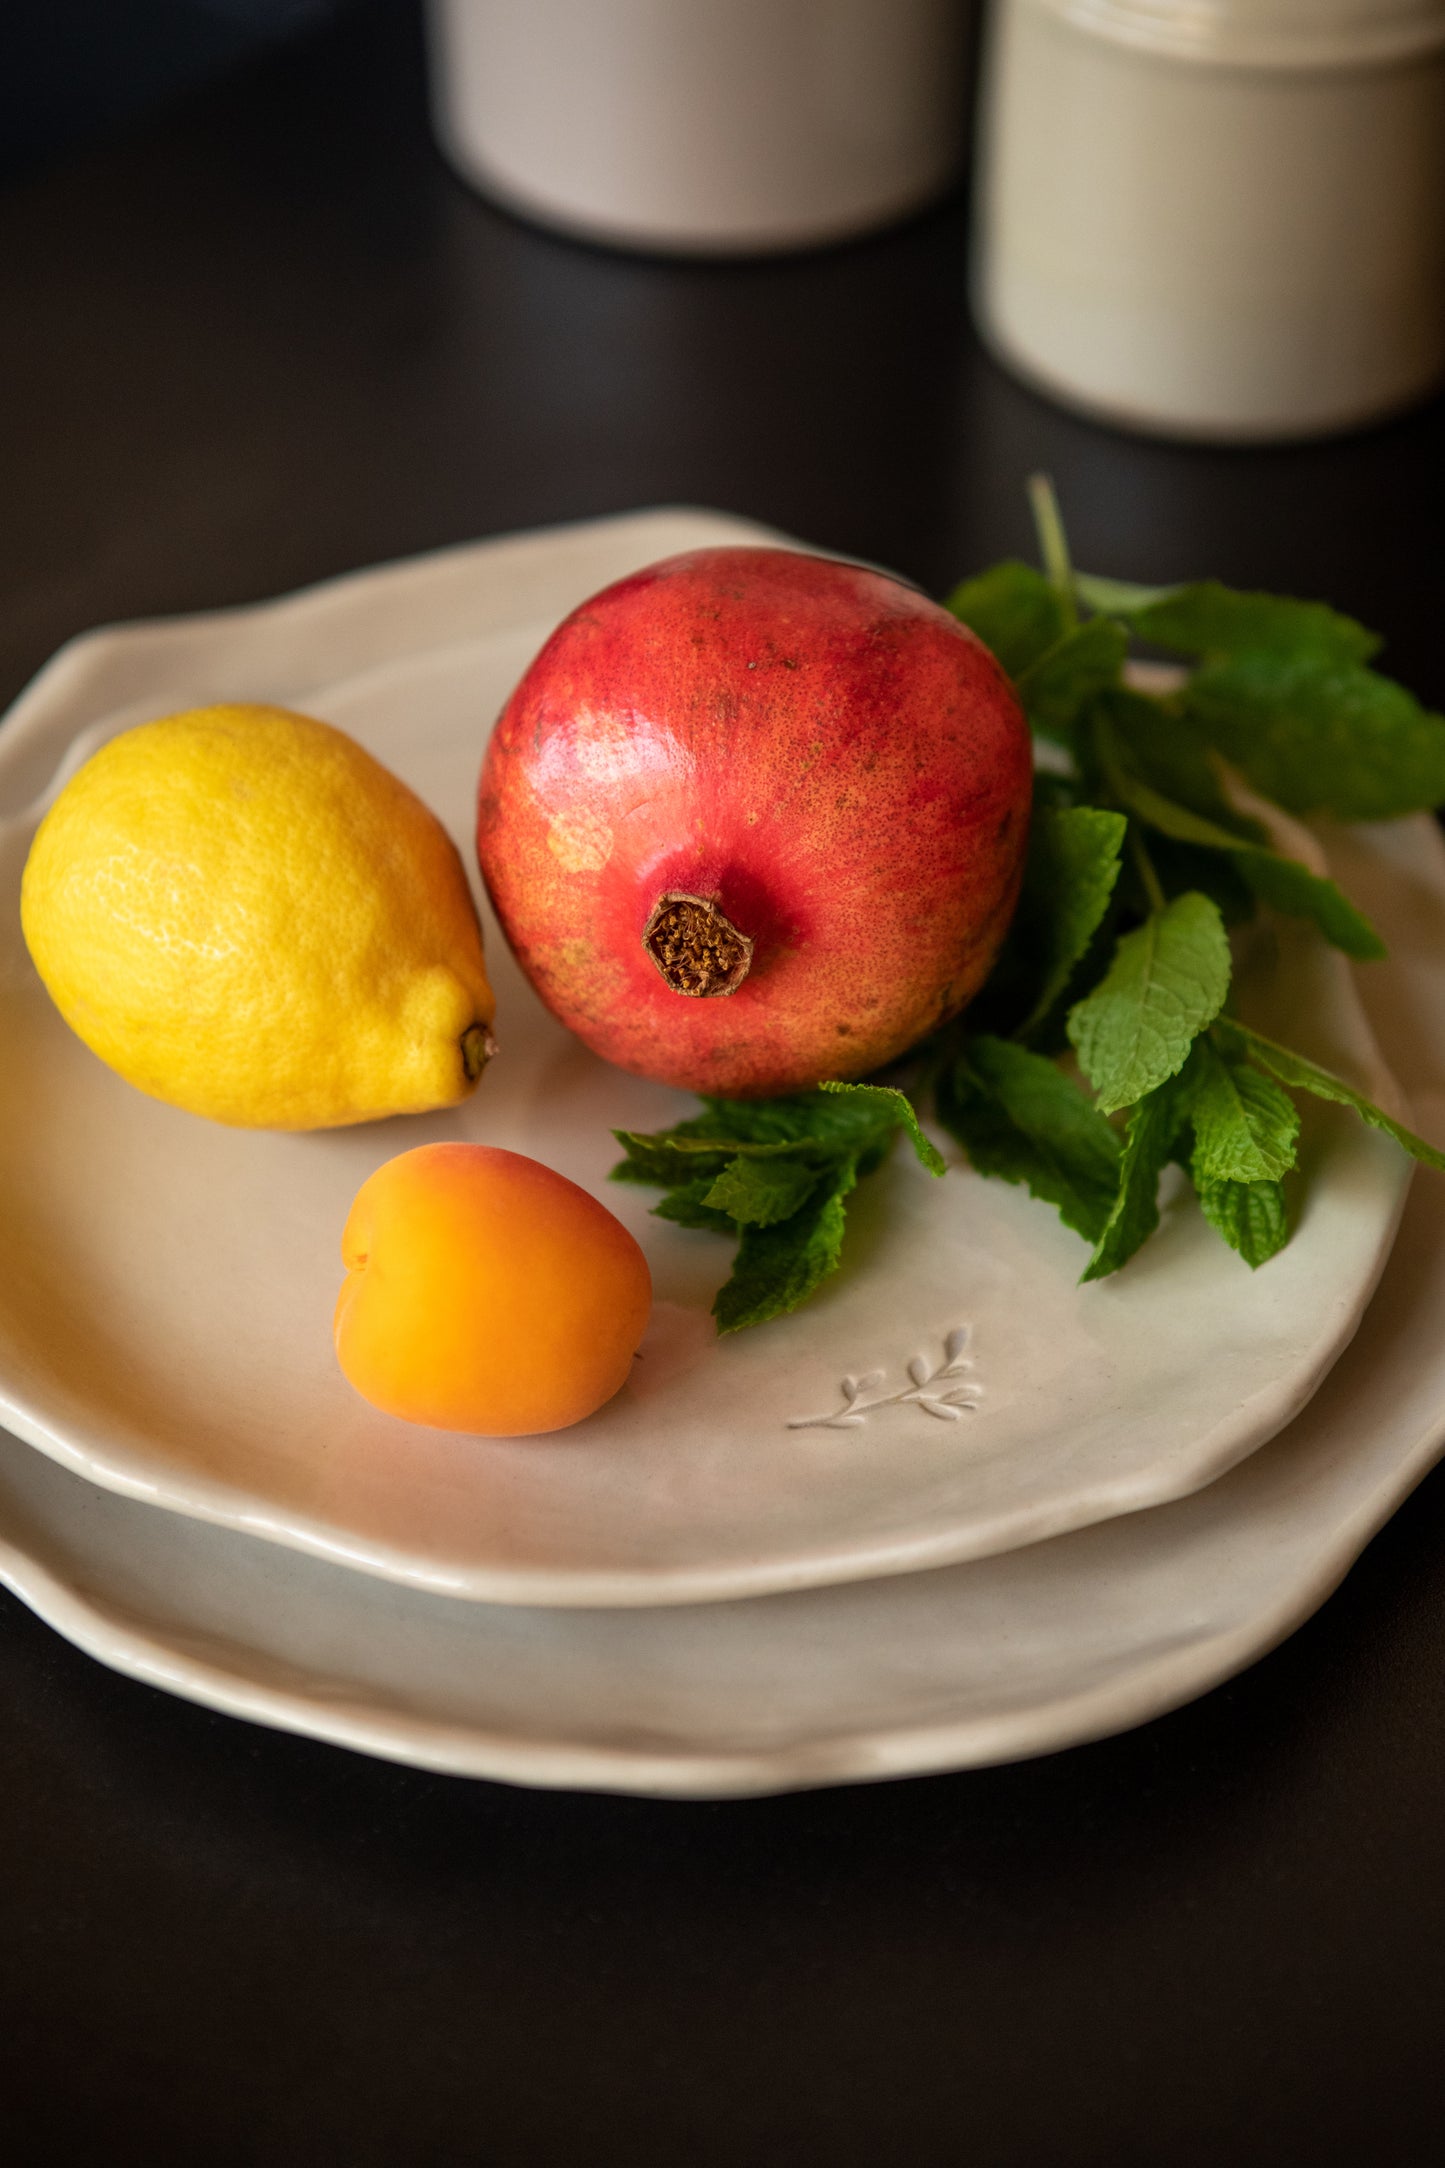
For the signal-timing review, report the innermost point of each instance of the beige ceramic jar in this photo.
(703, 127)
(1216, 218)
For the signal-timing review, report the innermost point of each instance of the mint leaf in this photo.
(895, 1109)
(1153, 743)
(1282, 882)
(1167, 981)
(1117, 598)
(1155, 1127)
(663, 1159)
(1058, 685)
(774, 1173)
(677, 1155)
(779, 1266)
(1182, 866)
(1016, 612)
(1287, 886)
(1069, 878)
(1321, 736)
(814, 1126)
(1301, 1074)
(1207, 618)
(1018, 1117)
(760, 1191)
(686, 1204)
(1245, 1127)
(825, 1122)
(1170, 819)
(1251, 1217)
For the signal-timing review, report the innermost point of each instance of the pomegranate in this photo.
(752, 819)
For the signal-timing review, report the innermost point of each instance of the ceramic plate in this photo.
(1012, 1656)
(166, 1285)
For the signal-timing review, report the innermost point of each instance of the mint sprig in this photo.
(775, 1174)
(1139, 860)
(1020, 1118)
(1281, 692)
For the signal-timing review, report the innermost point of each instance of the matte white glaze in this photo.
(738, 125)
(1012, 1656)
(1215, 221)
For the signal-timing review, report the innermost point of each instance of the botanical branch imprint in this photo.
(926, 1390)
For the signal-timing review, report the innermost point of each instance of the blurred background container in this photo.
(1220, 218)
(704, 126)
(1201, 218)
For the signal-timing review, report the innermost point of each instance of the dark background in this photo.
(252, 333)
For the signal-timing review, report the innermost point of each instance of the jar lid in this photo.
(1266, 33)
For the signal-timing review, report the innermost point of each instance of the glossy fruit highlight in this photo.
(753, 819)
(485, 1292)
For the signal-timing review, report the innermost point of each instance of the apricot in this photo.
(486, 1292)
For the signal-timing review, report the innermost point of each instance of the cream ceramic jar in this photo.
(1216, 218)
(703, 126)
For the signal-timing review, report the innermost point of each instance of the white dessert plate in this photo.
(1008, 1657)
(166, 1285)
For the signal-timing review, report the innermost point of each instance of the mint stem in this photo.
(1145, 864)
(1053, 543)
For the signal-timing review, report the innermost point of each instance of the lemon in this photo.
(245, 914)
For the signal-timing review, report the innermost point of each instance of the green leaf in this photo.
(1321, 736)
(1245, 1127)
(814, 1126)
(1019, 1117)
(1160, 812)
(1084, 662)
(672, 1156)
(1167, 981)
(760, 1191)
(826, 1122)
(1182, 866)
(1287, 886)
(895, 1109)
(1155, 1127)
(687, 1205)
(778, 1267)
(773, 1172)
(1282, 882)
(1207, 618)
(1069, 877)
(1154, 744)
(1117, 598)
(1301, 1074)
(1015, 610)
(1251, 1216)
(664, 1159)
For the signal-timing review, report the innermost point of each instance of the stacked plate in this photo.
(957, 1509)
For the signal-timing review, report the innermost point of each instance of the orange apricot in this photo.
(486, 1292)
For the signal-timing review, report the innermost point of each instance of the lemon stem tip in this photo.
(478, 1047)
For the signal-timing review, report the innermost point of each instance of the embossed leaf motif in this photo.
(921, 1392)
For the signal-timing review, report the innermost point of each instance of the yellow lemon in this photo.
(245, 914)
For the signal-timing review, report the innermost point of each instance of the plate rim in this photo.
(200, 1498)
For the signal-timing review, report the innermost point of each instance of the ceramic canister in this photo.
(1216, 218)
(703, 126)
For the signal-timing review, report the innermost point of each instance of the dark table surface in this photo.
(269, 338)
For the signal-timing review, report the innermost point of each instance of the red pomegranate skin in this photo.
(827, 755)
